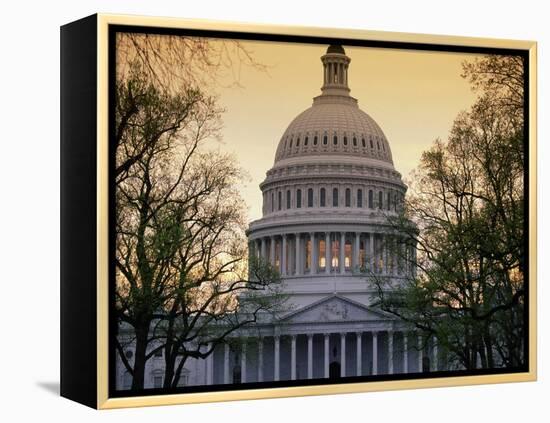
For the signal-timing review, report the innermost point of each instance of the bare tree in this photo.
(183, 280)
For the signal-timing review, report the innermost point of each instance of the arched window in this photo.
(348, 197)
(279, 204)
(383, 146)
(325, 140)
(298, 198)
(306, 140)
(310, 197)
(335, 140)
(378, 144)
(359, 198)
(288, 199)
(354, 142)
(371, 199)
(388, 203)
(380, 199)
(345, 140)
(371, 144)
(315, 140)
(335, 197)
(298, 142)
(363, 142)
(272, 202)
(291, 143)
(322, 197)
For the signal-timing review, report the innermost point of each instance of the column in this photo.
(342, 252)
(261, 360)
(210, 365)
(435, 353)
(309, 355)
(375, 353)
(343, 354)
(226, 364)
(313, 267)
(263, 249)
(243, 362)
(405, 353)
(390, 352)
(359, 355)
(328, 253)
(272, 251)
(383, 253)
(371, 252)
(327, 335)
(293, 357)
(276, 364)
(420, 353)
(298, 268)
(283, 256)
(356, 251)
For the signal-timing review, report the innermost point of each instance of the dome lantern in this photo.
(335, 71)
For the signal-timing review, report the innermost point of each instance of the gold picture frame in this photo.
(97, 32)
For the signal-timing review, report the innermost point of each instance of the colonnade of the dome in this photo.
(306, 253)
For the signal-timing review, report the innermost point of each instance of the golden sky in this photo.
(413, 95)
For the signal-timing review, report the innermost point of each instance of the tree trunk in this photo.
(140, 360)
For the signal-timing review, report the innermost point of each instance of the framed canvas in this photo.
(255, 211)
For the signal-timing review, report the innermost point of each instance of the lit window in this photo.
(322, 254)
(335, 197)
(347, 254)
(322, 197)
(334, 251)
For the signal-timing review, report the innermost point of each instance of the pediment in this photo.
(334, 309)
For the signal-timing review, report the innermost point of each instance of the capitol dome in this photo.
(327, 197)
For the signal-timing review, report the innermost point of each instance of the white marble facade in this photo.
(325, 205)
